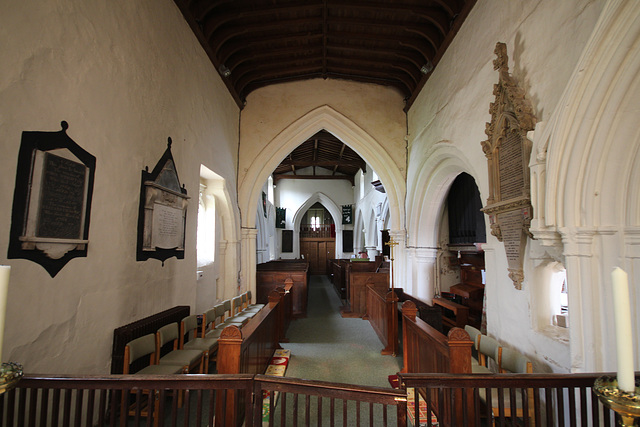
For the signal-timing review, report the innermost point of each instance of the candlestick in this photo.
(5, 272)
(10, 373)
(624, 336)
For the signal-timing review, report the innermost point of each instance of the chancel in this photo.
(494, 144)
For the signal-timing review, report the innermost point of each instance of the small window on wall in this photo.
(550, 294)
(206, 234)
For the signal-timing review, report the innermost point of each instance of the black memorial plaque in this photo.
(62, 198)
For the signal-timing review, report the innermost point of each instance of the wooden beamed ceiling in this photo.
(255, 43)
(323, 156)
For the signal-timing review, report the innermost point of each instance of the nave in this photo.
(327, 347)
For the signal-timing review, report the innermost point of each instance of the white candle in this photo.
(5, 270)
(624, 336)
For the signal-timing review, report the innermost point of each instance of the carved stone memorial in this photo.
(163, 212)
(507, 150)
(52, 200)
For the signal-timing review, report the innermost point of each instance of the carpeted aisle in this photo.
(326, 347)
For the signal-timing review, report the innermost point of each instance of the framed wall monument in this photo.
(51, 200)
(508, 150)
(163, 212)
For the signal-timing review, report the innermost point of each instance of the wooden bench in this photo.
(272, 274)
(460, 313)
(248, 351)
(382, 313)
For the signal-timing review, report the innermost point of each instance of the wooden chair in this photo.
(134, 350)
(476, 367)
(489, 348)
(189, 360)
(229, 319)
(246, 300)
(210, 319)
(474, 334)
(246, 306)
(207, 345)
(238, 311)
(249, 301)
(514, 362)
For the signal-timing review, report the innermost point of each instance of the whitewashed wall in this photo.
(574, 59)
(125, 76)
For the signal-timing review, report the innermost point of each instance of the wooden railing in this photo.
(426, 350)
(556, 399)
(382, 313)
(190, 400)
(317, 231)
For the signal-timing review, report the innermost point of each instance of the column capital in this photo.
(248, 233)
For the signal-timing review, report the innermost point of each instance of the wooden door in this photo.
(316, 252)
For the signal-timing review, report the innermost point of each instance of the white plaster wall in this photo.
(125, 76)
(447, 122)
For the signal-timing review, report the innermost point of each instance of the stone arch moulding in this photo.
(442, 165)
(508, 151)
(331, 206)
(342, 127)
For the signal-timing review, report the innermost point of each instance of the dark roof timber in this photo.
(255, 43)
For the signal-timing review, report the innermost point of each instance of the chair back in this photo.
(140, 347)
(489, 347)
(167, 333)
(221, 310)
(208, 318)
(188, 324)
(236, 305)
(514, 362)
(227, 308)
(243, 300)
(474, 333)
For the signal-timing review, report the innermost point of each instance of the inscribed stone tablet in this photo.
(62, 198)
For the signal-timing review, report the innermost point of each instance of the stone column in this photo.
(399, 258)
(372, 251)
(248, 266)
(585, 300)
(423, 270)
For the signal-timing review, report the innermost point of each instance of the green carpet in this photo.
(326, 347)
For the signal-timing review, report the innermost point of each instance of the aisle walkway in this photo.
(326, 347)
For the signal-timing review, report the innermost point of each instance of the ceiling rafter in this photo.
(255, 43)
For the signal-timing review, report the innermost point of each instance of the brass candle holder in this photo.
(10, 374)
(626, 404)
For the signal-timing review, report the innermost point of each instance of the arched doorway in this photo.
(317, 238)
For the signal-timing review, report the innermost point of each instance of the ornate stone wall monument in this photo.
(508, 149)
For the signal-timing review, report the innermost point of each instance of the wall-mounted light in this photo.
(224, 70)
(426, 68)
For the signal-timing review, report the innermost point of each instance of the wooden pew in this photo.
(460, 313)
(248, 351)
(425, 350)
(382, 313)
(357, 287)
(273, 274)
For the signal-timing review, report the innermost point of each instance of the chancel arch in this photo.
(321, 118)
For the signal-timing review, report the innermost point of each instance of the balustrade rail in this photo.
(511, 399)
(190, 400)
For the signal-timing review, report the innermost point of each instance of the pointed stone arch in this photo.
(428, 196)
(322, 118)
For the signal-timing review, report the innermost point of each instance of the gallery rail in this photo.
(190, 400)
